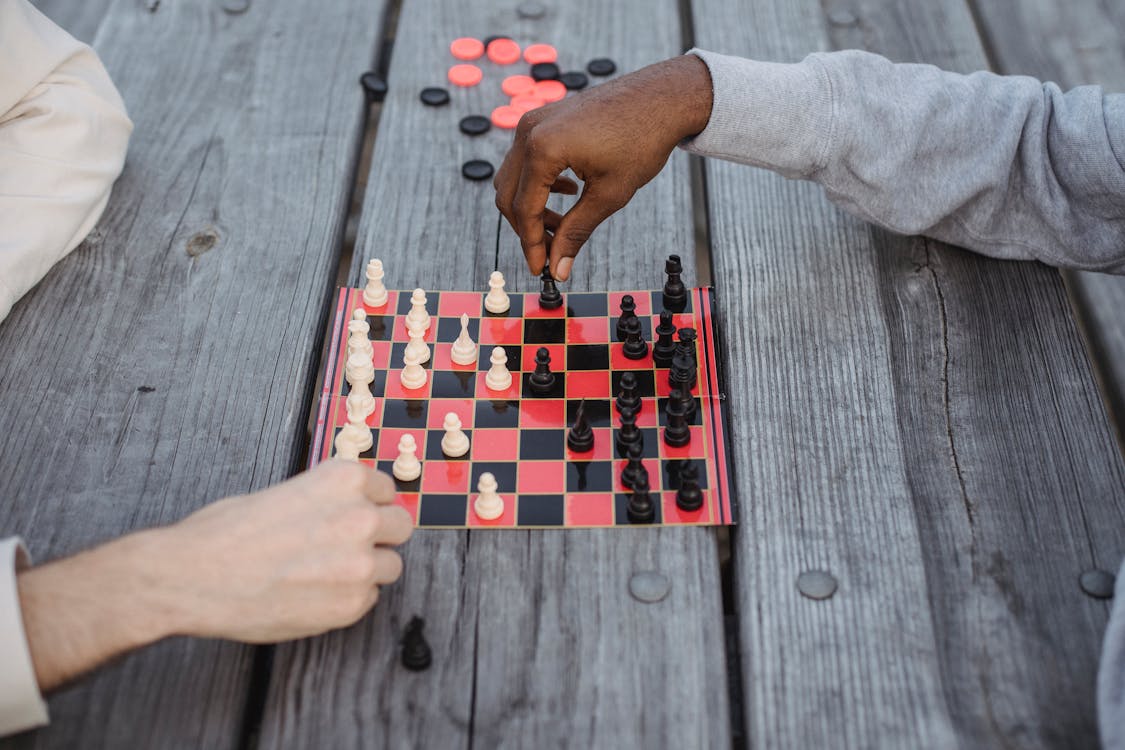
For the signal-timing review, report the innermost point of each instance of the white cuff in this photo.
(21, 705)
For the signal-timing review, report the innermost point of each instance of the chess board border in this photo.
(723, 503)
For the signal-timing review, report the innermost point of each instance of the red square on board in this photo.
(390, 304)
(394, 388)
(456, 304)
(587, 330)
(694, 449)
(682, 320)
(445, 476)
(439, 407)
(500, 331)
(588, 384)
(618, 360)
(673, 515)
(441, 360)
(652, 465)
(400, 334)
(603, 447)
(510, 393)
(507, 518)
(541, 477)
(557, 352)
(643, 300)
(496, 445)
(387, 449)
(381, 356)
(548, 412)
(589, 509)
(374, 419)
(531, 308)
(409, 501)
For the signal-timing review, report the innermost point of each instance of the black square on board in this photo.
(646, 382)
(587, 356)
(504, 471)
(514, 311)
(542, 445)
(651, 436)
(540, 510)
(398, 354)
(646, 327)
(672, 467)
(496, 414)
(382, 326)
(433, 446)
(658, 302)
(432, 299)
(621, 514)
(484, 358)
(412, 486)
(409, 413)
(597, 411)
(589, 476)
(453, 384)
(442, 510)
(369, 453)
(377, 386)
(448, 329)
(544, 331)
(662, 416)
(587, 305)
(558, 389)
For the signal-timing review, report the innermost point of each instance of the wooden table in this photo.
(919, 422)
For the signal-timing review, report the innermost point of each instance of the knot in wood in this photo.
(201, 242)
(816, 584)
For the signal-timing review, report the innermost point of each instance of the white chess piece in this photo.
(417, 343)
(359, 368)
(354, 439)
(407, 467)
(418, 314)
(345, 446)
(360, 403)
(455, 443)
(464, 351)
(413, 375)
(497, 299)
(375, 294)
(488, 505)
(498, 377)
(358, 328)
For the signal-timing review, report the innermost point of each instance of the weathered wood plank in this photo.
(1073, 45)
(80, 17)
(919, 421)
(536, 640)
(168, 362)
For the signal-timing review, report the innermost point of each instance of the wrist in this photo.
(688, 83)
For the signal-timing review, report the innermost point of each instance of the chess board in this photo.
(519, 437)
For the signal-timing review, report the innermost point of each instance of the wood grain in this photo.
(168, 361)
(1073, 45)
(921, 422)
(536, 640)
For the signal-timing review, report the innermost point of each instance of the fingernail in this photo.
(563, 272)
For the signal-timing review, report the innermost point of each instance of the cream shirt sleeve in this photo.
(21, 706)
(63, 135)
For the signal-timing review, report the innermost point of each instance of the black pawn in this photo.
(689, 496)
(628, 434)
(542, 380)
(628, 312)
(664, 347)
(416, 654)
(634, 465)
(581, 437)
(635, 346)
(686, 348)
(627, 397)
(640, 508)
(675, 294)
(549, 296)
(677, 433)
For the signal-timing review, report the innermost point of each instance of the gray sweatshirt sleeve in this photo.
(1004, 165)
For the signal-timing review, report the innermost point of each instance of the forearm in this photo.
(1003, 165)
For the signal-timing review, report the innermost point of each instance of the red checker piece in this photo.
(540, 477)
(466, 48)
(545, 413)
(387, 449)
(557, 352)
(495, 445)
(540, 53)
(455, 304)
(439, 407)
(674, 515)
(550, 91)
(507, 518)
(506, 116)
(589, 509)
(497, 331)
(516, 85)
(503, 51)
(588, 384)
(445, 477)
(465, 75)
(526, 103)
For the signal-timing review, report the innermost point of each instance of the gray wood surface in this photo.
(1072, 44)
(168, 361)
(919, 421)
(80, 17)
(536, 640)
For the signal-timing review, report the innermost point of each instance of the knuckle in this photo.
(392, 567)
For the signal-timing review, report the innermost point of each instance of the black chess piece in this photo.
(634, 465)
(628, 434)
(681, 372)
(635, 346)
(627, 397)
(686, 348)
(677, 433)
(549, 296)
(675, 293)
(689, 496)
(664, 347)
(628, 312)
(688, 402)
(580, 439)
(416, 654)
(640, 508)
(542, 380)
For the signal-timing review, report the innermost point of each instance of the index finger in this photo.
(528, 206)
(379, 488)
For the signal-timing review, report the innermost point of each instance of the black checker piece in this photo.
(589, 476)
(540, 510)
(544, 331)
(542, 445)
(442, 510)
(587, 356)
(585, 305)
(496, 414)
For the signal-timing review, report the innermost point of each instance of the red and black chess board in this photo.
(519, 437)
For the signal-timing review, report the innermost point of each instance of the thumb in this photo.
(593, 207)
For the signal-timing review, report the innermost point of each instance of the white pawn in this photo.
(455, 443)
(375, 294)
(417, 343)
(359, 369)
(413, 376)
(488, 505)
(407, 467)
(360, 403)
(418, 314)
(497, 299)
(464, 351)
(498, 377)
(358, 328)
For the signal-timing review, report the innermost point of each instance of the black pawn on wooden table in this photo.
(641, 508)
(416, 654)
(627, 397)
(542, 381)
(628, 312)
(634, 466)
(580, 439)
(689, 497)
(628, 434)
(549, 296)
(675, 293)
(664, 347)
(677, 433)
